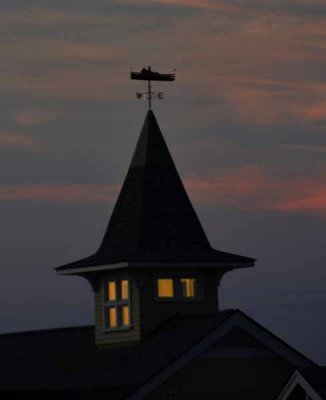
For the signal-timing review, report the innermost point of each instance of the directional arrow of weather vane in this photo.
(149, 75)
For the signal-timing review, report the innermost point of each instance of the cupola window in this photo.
(117, 303)
(178, 289)
(165, 288)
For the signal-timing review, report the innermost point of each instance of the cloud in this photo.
(265, 65)
(262, 102)
(256, 7)
(59, 193)
(203, 4)
(40, 17)
(73, 83)
(252, 187)
(314, 112)
(314, 201)
(55, 51)
(307, 148)
(268, 69)
(10, 139)
(68, 18)
(35, 117)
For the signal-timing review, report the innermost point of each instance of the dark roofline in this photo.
(46, 330)
(276, 337)
(228, 315)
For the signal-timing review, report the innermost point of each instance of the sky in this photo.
(245, 123)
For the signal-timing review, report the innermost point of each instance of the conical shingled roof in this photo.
(153, 219)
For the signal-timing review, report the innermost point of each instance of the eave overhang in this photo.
(226, 266)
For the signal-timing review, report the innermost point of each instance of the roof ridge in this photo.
(275, 336)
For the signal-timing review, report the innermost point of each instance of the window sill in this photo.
(117, 329)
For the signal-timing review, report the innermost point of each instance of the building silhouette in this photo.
(159, 332)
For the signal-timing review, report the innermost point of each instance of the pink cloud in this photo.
(229, 186)
(35, 117)
(309, 203)
(10, 139)
(252, 187)
(70, 84)
(307, 148)
(54, 50)
(259, 63)
(314, 112)
(60, 69)
(252, 7)
(203, 4)
(59, 193)
(45, 16)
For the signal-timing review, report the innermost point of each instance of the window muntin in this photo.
(188, 286)
(117, 304)
(165, 288)
(177, 288)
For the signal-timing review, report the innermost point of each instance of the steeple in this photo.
(153, 219)
(155, 260)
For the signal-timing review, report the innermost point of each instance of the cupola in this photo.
(155, 260)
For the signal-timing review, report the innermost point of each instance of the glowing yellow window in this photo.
(117, 304)
(125, 315)
(112, 291)
(124, 289)
(112, 317)
(188, 287)
(165, 288)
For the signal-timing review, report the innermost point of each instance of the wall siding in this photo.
(155, 312)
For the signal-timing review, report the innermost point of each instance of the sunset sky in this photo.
(245, 122)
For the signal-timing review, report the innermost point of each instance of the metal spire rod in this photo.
(148, 75)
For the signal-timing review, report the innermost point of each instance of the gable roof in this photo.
(68, 358)
(153, 219)
(236, 320)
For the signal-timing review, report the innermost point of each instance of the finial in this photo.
(148, 75)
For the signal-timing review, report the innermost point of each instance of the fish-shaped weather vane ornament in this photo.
(146, 74)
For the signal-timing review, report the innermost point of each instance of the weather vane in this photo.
(149, 75)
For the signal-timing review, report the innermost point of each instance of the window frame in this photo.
(177, 288)
(117, 304)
